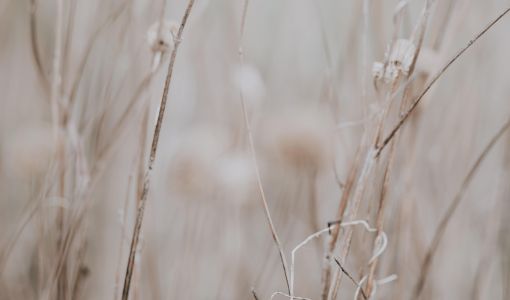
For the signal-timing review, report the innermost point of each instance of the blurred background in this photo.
(323, 83)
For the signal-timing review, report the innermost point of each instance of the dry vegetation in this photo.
(254, 149)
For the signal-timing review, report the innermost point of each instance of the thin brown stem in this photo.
(34, 44)
(68, 40)
(418, 99)
(122, 238)
(88, 50)
(380, 216)
(152, 157)
(333, 238)
(438, 235)
(254, 294)
(356, 283)
(276, 239)
(56, 81)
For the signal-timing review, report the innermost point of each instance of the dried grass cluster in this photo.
(254, 150)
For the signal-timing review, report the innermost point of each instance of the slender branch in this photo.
(28, 214)
(438, 235)
(68, 41)
(433, 81)
(117, 128)
(122, 237)
(152, 156)
(35, 46)
(56, 81)
(89, 47)
(333, 238)
(58, 124)
(357, 284)
(380, 216)
(288, 296)
(276, 239)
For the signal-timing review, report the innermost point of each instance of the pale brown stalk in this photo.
(418, 99)
(68, 40)
(417, 39)
(356, 283)
(365, 171)
(152, 157)
(56, 81)
(56, 117)
(74, 217)
(333, 238)
(118, 128)
(34, 44)
(88, 50)
(380, 217)
(370, 138)
(122, 237)
(29, 213)
(274, 234)
(447, 216)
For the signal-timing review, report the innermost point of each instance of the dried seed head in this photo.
(236, 178)
(247, 78)
(300, 138)
(193, 166)
(161, 38)
(401, 55)
(399, 58)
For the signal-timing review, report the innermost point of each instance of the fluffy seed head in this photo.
(236, 177)
(248, 79)
(300, 138)
(193, 166)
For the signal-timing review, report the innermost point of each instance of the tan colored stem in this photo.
(152, 158)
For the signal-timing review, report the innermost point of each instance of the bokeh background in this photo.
(313, 102)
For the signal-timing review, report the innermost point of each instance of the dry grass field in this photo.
(254, 149)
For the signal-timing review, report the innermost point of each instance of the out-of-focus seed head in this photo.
(248, 79)
(300, 138)
(162, 38)
(236, 178)
(193, 166)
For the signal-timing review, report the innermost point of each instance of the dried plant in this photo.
(299, 150)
